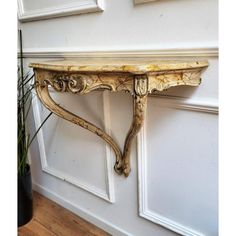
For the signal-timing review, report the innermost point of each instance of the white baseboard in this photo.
(85, 214)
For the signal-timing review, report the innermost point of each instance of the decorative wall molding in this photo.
(57, 11)
(207, 51)
(178, 103)
(192, 104)
(109, 163)
(82, 212)
(143, 203)
(107, 195)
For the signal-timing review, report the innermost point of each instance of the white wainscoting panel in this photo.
(96, 176)
(177, 181)
(30, 10)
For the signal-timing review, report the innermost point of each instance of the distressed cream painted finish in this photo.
(133, 66)
(138, 77)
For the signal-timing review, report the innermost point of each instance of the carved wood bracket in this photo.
(139, 78)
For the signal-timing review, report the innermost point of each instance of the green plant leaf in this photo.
(40, 128)
(24, 104)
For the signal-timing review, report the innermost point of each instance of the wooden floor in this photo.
(50, 219)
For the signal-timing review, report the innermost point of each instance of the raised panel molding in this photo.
(57, 11)
(178, 103)
(107, 195)
(143, 204)
(192, 104)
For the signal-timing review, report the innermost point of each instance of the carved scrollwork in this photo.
(68, 83)
(163, 81)
(85, 83)
(76, 85)
(192, 78)
(141, 85)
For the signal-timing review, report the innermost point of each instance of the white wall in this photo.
(173, 182)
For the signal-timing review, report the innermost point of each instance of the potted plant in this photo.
(24, 102)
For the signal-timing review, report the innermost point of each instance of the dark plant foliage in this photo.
(25, 87)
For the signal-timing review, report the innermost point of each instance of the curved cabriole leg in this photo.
(140, 104)
(44, 96)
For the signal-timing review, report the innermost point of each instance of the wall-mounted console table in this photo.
(138, 77)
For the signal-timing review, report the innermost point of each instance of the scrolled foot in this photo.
(118, 167)
(126, 170)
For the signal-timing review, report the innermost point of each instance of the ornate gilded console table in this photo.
(138, 77)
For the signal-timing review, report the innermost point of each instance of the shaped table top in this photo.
(134, 66)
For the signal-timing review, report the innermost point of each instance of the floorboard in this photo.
(50, 219)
